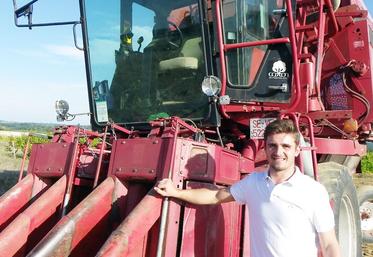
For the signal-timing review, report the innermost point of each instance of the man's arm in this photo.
(166, 188)
(329, 244)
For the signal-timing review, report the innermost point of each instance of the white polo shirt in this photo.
(284, 218)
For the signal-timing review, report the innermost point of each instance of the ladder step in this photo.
(305, 28)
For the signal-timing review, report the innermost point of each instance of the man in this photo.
(289, 213)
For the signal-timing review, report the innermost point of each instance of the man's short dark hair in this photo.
(282, 126)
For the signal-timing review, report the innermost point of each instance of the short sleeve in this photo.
(239, 190)
(323, 214)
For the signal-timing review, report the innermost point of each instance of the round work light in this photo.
(62, 107)
(211, 85)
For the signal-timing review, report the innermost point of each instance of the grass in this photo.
(367, 163)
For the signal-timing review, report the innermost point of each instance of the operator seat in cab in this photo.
(176, 58)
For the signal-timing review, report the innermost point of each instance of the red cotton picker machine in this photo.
(183, 89)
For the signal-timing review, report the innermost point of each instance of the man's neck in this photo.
(281, 176)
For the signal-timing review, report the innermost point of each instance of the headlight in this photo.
(211, 85)
(62, 108)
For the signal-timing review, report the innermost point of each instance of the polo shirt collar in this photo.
(296, 176)
(292, 180)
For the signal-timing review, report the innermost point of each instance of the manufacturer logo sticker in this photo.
(278, 71)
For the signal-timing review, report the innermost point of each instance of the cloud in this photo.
(65, 51)
(50, 54)
(104, 50)
(31, 53)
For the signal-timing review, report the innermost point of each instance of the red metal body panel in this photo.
(203, 235)
(339, 146)
(134, 228)
(50, 160)
(206, 162)
(193, 160)
(127, 159)
(14, 238)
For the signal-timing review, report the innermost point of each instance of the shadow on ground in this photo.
(8, 178)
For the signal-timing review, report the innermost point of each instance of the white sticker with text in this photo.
(257, 127)
(101, 108)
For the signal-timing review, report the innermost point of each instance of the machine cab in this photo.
(148, 58)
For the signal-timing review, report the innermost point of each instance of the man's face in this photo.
(281, 151)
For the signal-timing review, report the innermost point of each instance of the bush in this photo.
(16, 145)
(367, 163)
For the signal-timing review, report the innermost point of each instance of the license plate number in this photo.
(257, 127)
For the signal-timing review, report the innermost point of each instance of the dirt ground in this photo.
(9, 171)
(367, 250)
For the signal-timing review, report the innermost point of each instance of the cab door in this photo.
(261, 73)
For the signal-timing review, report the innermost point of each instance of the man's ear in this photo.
(297, 150)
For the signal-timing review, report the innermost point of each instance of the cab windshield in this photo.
(146, 59)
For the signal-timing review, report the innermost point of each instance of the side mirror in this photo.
(139, 41)
(27, 11)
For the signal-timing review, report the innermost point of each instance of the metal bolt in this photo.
(134, 170)
(155, 142)
(151, 171)
(123, 142)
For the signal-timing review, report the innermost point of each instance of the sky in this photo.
(41, 65)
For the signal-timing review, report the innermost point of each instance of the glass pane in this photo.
(248, 21)
(147, 59)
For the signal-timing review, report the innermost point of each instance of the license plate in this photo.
(257, 127)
